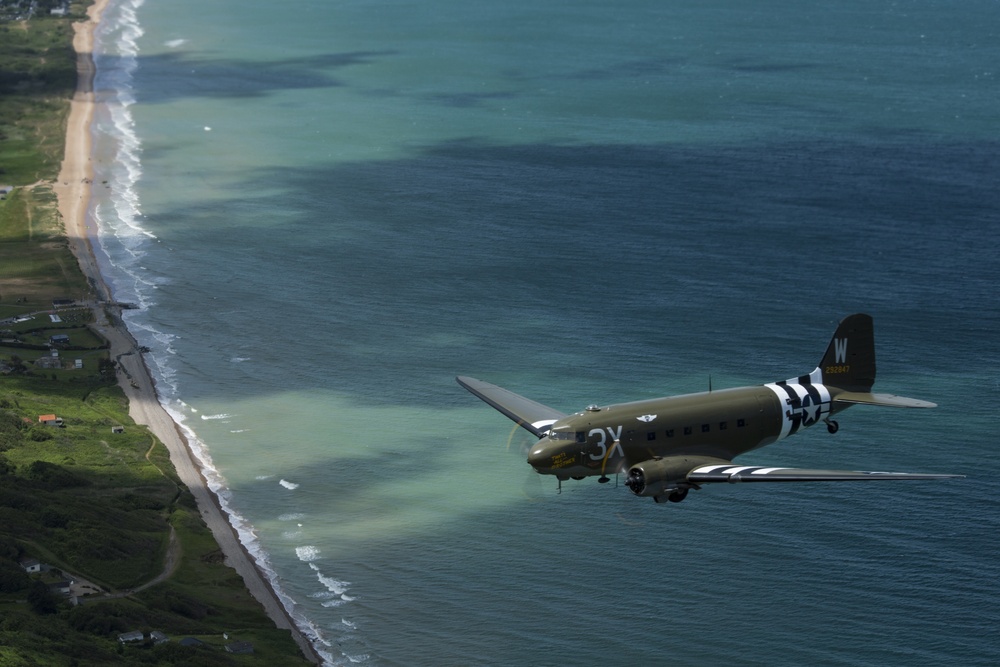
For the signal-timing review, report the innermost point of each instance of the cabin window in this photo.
(581, 436)
(670, 432)
(651, 435)
(704, 428)
(723, 426)
(687, 430)
(741, 423)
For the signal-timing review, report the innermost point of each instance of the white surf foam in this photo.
(291, 486)
(122, 240)
(174, 43)
(307, 553)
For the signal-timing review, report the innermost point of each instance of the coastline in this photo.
(73, 189)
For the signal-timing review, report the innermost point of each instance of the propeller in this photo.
(521, 441)
(604, 479)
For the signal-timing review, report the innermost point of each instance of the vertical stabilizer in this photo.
(849, 362)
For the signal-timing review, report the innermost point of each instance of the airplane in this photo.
(668, 446)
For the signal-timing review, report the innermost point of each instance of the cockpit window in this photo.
(579, 436)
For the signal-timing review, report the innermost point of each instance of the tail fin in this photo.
(849, 362)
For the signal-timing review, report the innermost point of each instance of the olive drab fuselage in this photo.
(720, 424)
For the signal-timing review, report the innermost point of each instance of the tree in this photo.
(42, 600)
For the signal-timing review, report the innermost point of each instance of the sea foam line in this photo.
(123, 239)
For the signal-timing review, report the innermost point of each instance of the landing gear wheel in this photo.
(832, 427)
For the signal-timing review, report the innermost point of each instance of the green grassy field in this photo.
(88, 501)
(37, 76)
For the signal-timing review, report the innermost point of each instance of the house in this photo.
(59, 339)
(240, 648)
(61, 587)
(50, 420)
(134, 636)
(158, 637)
(31, 566)
(50, 361)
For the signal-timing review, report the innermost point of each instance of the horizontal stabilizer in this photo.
(734, 473)
(529, 414)
(887, 400)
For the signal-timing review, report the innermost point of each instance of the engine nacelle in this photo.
(660, 476)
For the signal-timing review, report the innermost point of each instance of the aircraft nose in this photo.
(539, 457)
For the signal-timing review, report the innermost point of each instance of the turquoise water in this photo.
(328, 210)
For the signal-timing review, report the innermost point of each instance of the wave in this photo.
(121, 243)
(291, 486)
(307, 554)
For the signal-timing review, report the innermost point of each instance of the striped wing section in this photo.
(734, 473)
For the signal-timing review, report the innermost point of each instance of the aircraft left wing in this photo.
(732, 474)
(528, 414)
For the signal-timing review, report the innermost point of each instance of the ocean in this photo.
(325, 210)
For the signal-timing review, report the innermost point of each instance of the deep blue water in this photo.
(331, 209)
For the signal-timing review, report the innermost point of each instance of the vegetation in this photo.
(105, 508)
(95, 505)
(37, 77)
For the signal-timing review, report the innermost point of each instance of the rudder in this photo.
(849, 362)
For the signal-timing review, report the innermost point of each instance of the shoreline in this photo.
(73, 189)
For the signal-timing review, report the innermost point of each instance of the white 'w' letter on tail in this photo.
(840, 349)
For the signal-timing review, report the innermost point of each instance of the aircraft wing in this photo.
(736, 473)
(528, 414)
(886, 400)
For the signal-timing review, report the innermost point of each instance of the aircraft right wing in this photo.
(732, 474)
(528, 414)
(886, 400)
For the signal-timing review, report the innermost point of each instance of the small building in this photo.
(49, 362)
(134, 636)
(5, 190)
(50, 420)
(240, 648)
(158, 637)
(59, 339)
(61, 587)
(117, 429)
(31, 566)
(192, 642)
(62, 303)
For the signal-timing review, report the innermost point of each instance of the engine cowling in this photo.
(664, 475)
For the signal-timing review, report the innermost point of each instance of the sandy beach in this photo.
(73, 190)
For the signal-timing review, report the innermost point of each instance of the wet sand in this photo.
(73, 190)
